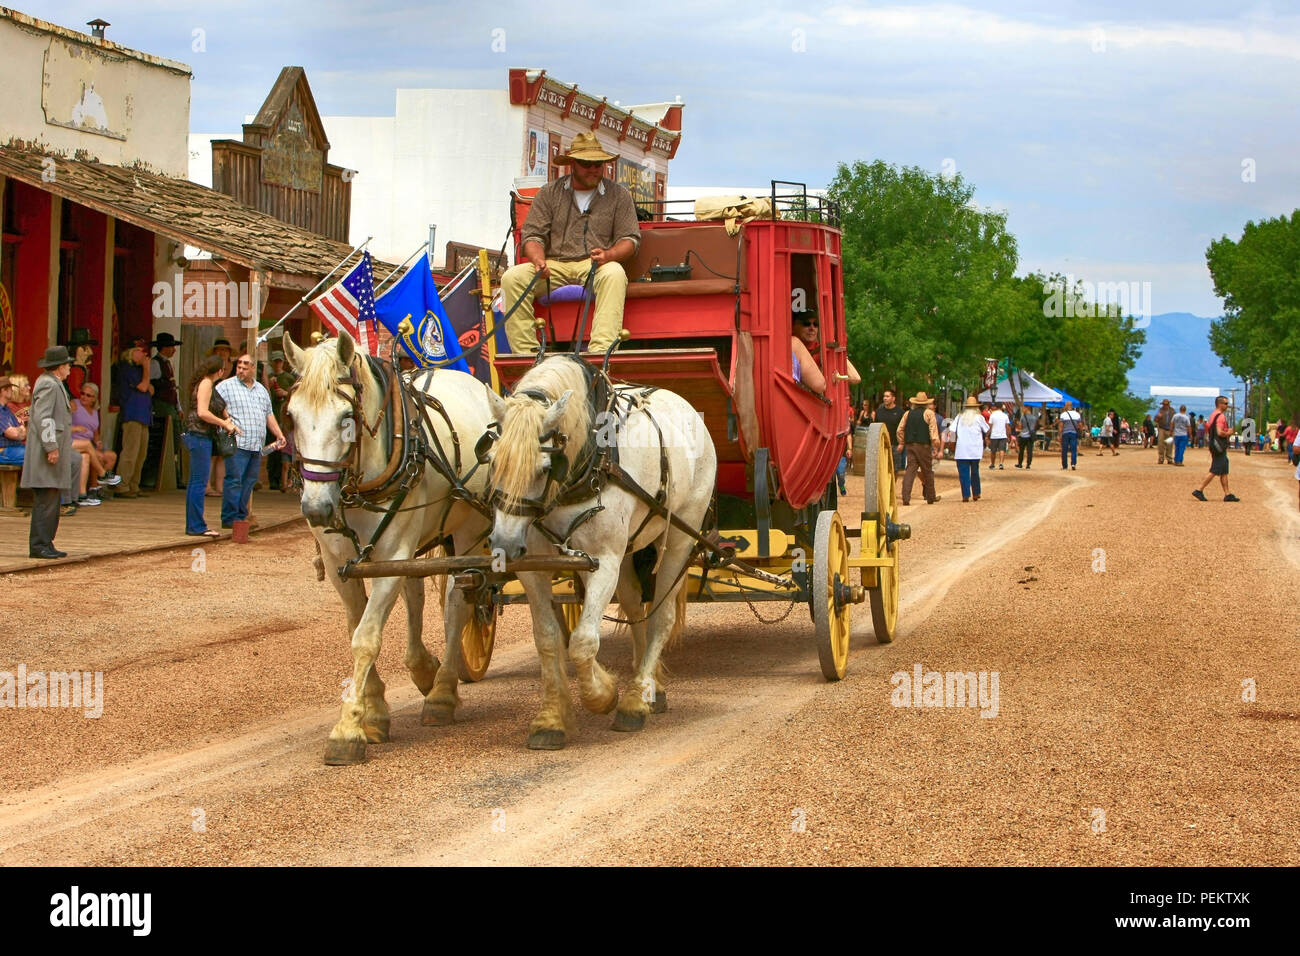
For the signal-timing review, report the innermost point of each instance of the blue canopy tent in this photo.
(1065, 397)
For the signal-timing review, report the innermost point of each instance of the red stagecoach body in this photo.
(722, 340)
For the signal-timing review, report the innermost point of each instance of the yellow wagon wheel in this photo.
(830, 588)
(476, 640)
(882, 585)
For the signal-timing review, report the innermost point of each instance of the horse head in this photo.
(523, 463)
(327, 404)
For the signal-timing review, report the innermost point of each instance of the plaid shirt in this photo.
(567, 234)
(248, 406)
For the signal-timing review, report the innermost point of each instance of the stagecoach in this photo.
(708, 315)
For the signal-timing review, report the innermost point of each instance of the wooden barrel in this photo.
(858, 465)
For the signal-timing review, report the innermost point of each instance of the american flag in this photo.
(349, 306)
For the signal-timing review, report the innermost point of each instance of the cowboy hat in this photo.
(920, 398)
(585, 147)
(4, 382)
(81, 336)
(165, 340)
(55, 356)
(971, 402)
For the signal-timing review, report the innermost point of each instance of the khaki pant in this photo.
(135, 444)
(1164, 451)
(609, 286)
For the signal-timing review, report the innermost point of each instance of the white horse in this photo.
(550, 410)
(338, 406)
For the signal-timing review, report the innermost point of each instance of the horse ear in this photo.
(347, 348)
(291, 352)
(556, 411)
(496, 403)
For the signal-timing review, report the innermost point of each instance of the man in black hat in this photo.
(163, 377)
(49, 450)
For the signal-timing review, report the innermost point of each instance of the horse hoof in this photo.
(629, 721)
(437, 715)
(377, 734)
(342, 753)
(546, 740)
(660, 706)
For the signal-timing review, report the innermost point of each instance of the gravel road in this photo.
(1123, 621)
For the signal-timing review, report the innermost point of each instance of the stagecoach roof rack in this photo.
(790, 201)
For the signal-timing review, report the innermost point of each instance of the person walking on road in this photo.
(1028, 429)
(890, 414)
(999, 423)
(1069, 427)
(970, 429)
(1164, 433)
(918, 432)
(1182, 429)
(48, 451)
(1218, 431)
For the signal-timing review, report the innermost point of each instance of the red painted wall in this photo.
(32, 293)
(91, 229)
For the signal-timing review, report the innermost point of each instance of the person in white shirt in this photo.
(999, 421)
(1069, 426)
(970, 429)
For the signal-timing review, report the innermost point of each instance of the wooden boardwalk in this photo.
(133, 525)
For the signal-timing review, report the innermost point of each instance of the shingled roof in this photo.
(186, 212)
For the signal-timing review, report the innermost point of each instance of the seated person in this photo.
(13, 431)
(805, 326)
(99, 461)
(578, 222)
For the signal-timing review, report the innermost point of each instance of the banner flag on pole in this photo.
(349, 305)
(464, 308)
(413, 312)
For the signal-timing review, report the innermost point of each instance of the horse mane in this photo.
(321, 371)
(514, 467)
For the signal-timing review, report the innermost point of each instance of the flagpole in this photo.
(384, 281)
(267, 334)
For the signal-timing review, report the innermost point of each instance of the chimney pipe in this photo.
(97, 27)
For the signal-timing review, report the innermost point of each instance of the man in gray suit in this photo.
(49, 448)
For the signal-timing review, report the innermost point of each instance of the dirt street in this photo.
(1114, 623)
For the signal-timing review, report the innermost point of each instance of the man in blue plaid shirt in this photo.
(249, 404)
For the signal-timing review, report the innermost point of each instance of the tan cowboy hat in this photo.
(971, 402)
(585, 147)
(920, 398)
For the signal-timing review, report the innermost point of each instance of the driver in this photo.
(580, 219)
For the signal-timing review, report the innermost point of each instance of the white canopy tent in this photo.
(1032, 390)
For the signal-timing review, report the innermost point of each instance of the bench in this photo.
(9, 489)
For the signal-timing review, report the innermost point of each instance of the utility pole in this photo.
(1232, 404)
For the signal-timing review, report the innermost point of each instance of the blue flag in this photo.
(413, 313)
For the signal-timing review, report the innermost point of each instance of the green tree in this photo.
(1258, 278)
(926, 275)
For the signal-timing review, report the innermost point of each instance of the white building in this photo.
(449, 158)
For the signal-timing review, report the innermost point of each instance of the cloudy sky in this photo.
(1118, 136)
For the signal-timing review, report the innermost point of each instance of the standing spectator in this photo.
(278, 382)
(1219, 431)
(13, 430)
(97, 461)
(81, 348)
(1115, 431)
(166, 400)
(1200, 431)
(1289, 438)
(137, 417)
(919, 433)
(221, 349)
(998, 422)
(1182, 430)
(1148, 432)
(1069, 427)
(49, 448)
(1028, 428)
(206, 412)
(1123, 431)
(249, 405)
(970, 428)
(1247, 426)
(889, 414)
(1165, 433)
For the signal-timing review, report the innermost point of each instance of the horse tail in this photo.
(679, 619)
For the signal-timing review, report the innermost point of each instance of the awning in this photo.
(186, 212)
(1032, 391)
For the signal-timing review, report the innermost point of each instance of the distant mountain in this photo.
(1177, 352)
